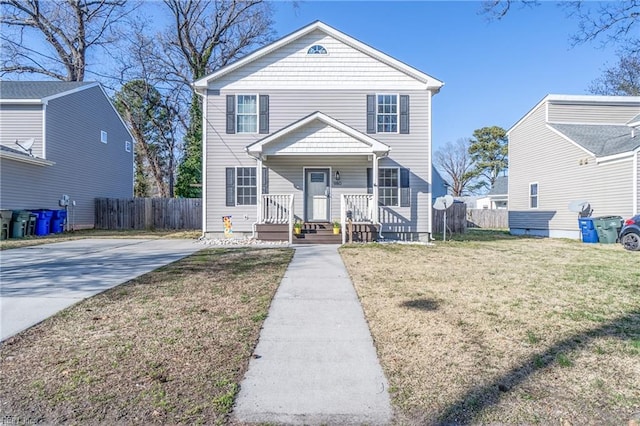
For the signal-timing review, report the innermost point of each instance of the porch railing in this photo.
(361, 207)
(277, 208)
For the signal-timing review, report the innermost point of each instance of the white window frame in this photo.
(127, 146)
(103, 136)
(397, 96)
(532, 196)
(381, 188)
(309, 52)
(257, 113)
(238, 186)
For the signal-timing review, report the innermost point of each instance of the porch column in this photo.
(259, 189)
(374, 179)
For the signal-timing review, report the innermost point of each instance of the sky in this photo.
(494, 72)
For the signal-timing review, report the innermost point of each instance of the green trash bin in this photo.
(5, 220)
(20, 220)
(608, 228)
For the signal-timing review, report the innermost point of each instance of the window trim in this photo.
(310, 53)
(536, 196)
(127, 146)
(397, 187)
(257, 114)
(237, 192)
(103, 136)
(397, 95)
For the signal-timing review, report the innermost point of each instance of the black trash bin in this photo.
(5, 220)
(20, 218)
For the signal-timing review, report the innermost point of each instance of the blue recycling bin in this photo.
(57, 221)
(588, 230)
(43, 221)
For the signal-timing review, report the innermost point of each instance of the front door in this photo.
(316, 195)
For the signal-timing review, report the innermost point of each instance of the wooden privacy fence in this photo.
(456, 219)
(148, 213)
(490, 219)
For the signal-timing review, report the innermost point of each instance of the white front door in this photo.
(317, 195)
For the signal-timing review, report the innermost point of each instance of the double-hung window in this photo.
(533, 195)
(387, 113)
(246, 188)
(388, 186)
(247, 114)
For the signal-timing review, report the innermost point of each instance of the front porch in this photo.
(357, 221)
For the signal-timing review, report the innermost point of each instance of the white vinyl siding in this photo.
(564, 173)
(291, 68)
(411, 151)
(22, 122)
(596, 114)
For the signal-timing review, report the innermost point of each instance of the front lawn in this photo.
(169, 347)
(497, 329)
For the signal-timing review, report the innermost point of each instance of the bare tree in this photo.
(204, 36)
(612, 22)
(621, 79)
(69, 30)
(456, 166)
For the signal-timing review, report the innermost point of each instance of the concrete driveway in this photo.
(36, 282)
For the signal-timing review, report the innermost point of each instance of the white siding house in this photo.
(333, 124)
(80, 147)
(573, 148)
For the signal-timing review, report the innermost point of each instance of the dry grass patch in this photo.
(504, 330)
(94, 233)
(169, 347)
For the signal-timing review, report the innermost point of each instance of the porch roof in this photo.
(317, 134)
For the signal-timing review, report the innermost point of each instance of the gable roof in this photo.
(500, 186)
(368, 143)
(599, 139)
(578, 100)
(39, 90)
(431, 82)
(14, 154)
(634, 122)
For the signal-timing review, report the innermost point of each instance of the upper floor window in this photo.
(247, 114)
(103, 136)
(316, 49)
(387, 113)
(533, 195)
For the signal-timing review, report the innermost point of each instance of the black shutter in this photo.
(231, 113)
(369, 180)
(264, 114)
(231, 186)
(404, 113)
(371, 113)
(265, 180)
(405, 191)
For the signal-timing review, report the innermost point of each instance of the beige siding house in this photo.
(335, 125)
(61, 138)
(573, 148)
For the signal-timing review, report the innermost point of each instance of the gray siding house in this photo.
(79, 147)
(333, 125)
(573, 148)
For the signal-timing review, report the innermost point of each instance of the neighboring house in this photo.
(439, 185)
(497, 197)
(331, 124)
(573, 148)
(80, 147)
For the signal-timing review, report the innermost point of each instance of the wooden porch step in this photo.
(315, 233)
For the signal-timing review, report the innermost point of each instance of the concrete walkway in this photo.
(37, 282)
(315, 362)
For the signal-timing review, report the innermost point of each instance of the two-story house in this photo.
(312, 127)
(62, 138)
(573, 149)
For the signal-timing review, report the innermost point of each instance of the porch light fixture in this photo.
(337, 176)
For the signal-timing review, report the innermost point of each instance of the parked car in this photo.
(630, 233)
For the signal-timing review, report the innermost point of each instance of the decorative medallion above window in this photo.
(316, 49)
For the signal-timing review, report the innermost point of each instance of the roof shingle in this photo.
(601, 140)
(37, 89)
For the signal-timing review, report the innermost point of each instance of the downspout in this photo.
(636, 184)
(204, 161)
